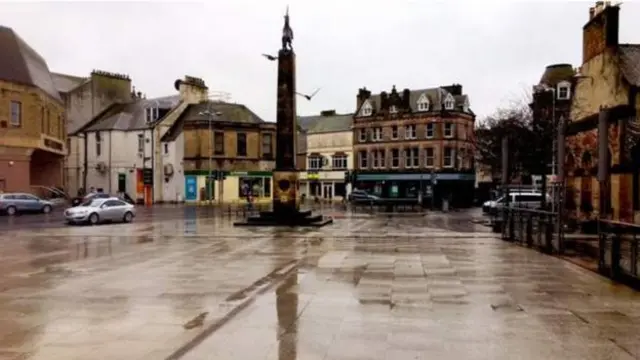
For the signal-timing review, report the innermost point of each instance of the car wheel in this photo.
(46, 209)
(94, 219)
(128, 217)
(11, 210)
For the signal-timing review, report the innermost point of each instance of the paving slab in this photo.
(364, 288)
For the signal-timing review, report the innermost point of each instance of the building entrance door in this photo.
(327, 190)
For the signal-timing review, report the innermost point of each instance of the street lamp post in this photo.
(210, 116)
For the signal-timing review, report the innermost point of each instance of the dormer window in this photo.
(151, 114)
(449, 102)
(367, 109)
(564, 90)
(393, 109)
(423, 103)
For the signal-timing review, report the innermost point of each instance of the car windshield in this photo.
(501, 199)
(92, 202)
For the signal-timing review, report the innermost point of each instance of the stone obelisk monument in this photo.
(285, 175)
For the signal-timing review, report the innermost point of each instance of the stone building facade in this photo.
(608, 81)
(32, 119)
(329, 155)
(236, 142)
(415, 143)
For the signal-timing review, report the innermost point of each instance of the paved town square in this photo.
(368, 287)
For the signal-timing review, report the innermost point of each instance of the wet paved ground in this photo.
(365, 288)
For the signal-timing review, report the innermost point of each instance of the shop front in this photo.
(235, 186)
(458, 188)
(325, 185)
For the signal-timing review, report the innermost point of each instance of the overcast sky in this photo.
(495, 49)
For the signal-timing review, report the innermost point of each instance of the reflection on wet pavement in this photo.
(365, 288)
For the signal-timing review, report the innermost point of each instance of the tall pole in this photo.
(553, 150)
(561, 145)
(210, 178)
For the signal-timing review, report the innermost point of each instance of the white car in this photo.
(529, 199)
(96, 211)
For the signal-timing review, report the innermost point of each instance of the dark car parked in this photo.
(362, 197)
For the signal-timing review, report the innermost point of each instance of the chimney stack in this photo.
(601, 31)
(192, 89)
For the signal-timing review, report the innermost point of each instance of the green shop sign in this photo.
(231, 173)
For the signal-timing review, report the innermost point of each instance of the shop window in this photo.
(253, 186)
(340, 189)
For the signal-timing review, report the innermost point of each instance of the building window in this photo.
(362, 159)
(48, 115)
(394, 132)
(98, 143)
(166, 148)
(339, 162)
(411, 159)
(254, 186)
(395, 158)
(315, 162)
(448, 130)
(449, 157)
(429, 158)
(267, 145)
(151, 114)
(423, 105)
(377, 134)
(393, 109)
(429, 130)
(140, 143)
(564, 91)
(241, 144)
(378, 159)
(61, 127)
(362, 135)
(16, 114)
(367, 110)
(410, 132)
(218, 143)
(449, 103)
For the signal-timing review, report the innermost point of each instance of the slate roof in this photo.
(436, 97)
(554, 74)
(129, 116)
(65, 83)
(20, 64)
(230, 112)
(326, 123)
(630, 62)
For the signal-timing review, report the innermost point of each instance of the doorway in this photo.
(122, 183)
(327, 190)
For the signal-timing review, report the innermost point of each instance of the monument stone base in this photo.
(286, 210)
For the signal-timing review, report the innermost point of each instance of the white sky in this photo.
(495, 49)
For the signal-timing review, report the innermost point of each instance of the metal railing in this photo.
(530, 227)
(618, 251)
